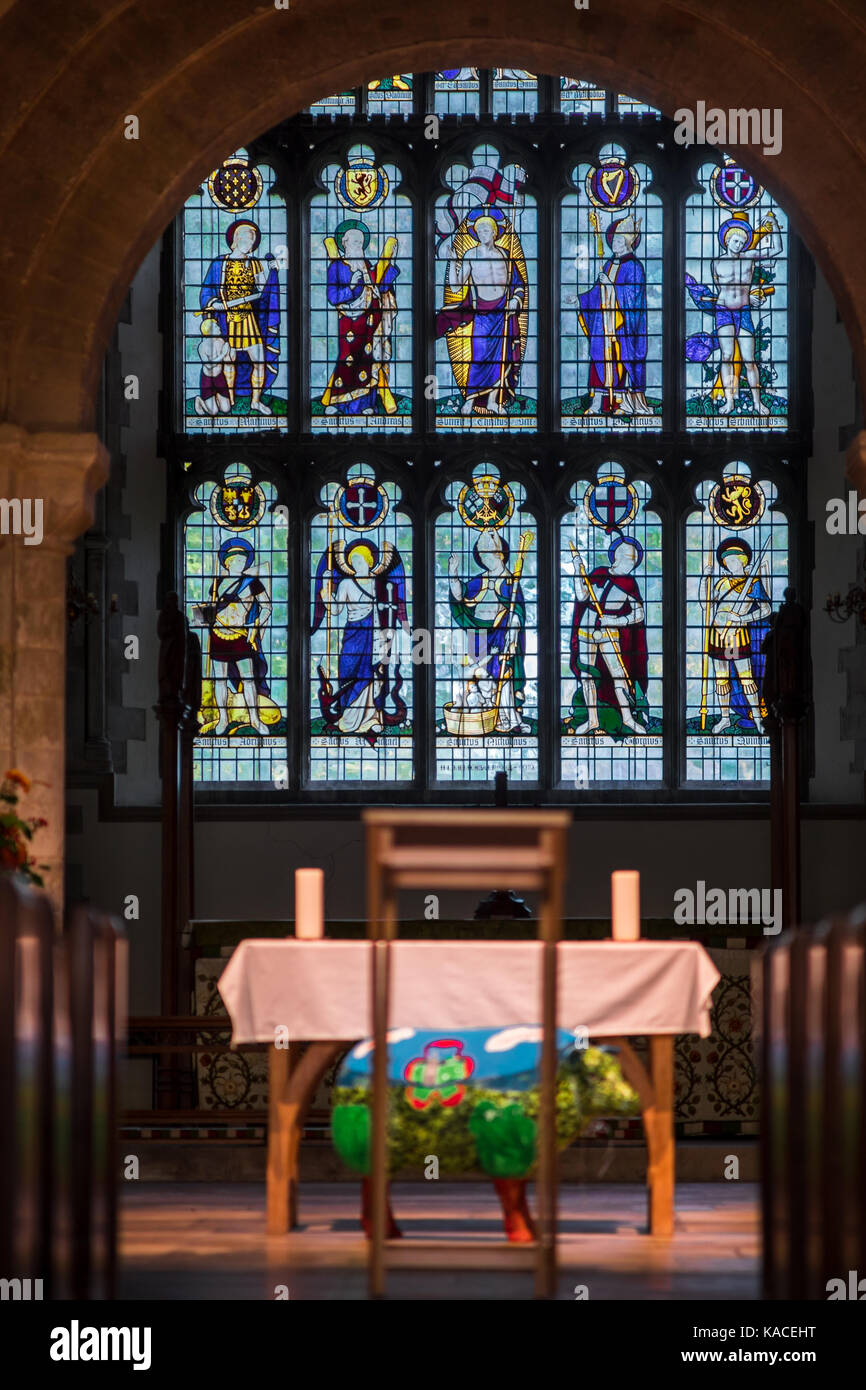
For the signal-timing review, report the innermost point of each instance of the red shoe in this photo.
(519, 1225)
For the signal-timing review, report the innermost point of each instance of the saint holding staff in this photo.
(484, 318)
(613, 316)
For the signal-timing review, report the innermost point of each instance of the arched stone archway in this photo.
(202, 80)
(84, 204)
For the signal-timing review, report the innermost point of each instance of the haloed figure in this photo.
(733, 273)
(360, 601)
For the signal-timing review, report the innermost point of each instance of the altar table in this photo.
(319, 992)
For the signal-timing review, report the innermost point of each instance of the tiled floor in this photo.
(207, 1241)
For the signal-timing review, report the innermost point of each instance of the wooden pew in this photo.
(811, 1040)
(62, 1011)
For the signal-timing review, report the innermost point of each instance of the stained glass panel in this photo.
(361, 299)
(630, 106)
(456, 93)
(340, 104)
(736, 296)
(485, 639)
(611, 268)
(234, 295)
(737, 571)
(578, 98)
(486, 287)
(611, 625)
(360, 643)
(514, 92)
(390, 94)
(236, 598)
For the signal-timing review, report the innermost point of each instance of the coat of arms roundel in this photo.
(237, 504)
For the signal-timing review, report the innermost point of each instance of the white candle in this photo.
(309, 904)
(625, 904)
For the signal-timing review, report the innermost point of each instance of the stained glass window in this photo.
(611, 624)
(736, 297)
(631, 106)
(360, 636)
(485, 640)
(236, 597)
(611, 343)
(485, 387)
(486, 288)
(456, 92)
(339, 104)
(737, 571)
(234, 358)
(388, 95)
(578, 98)
(514, 92)
(361, 298)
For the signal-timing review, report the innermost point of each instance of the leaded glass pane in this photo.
(360, 636)
(455, 92)
(577, 98)
(361, 299)
(388, 95)
(236, 598)
(234, 296)
(514, 92)
(611, 343)
(485, 639)
(486, 286)
(736, 296)
(611, 627)
(736, 574)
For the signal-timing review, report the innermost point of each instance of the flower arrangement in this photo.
(15, 833)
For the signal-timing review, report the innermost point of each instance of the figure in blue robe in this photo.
(360, 595)
(613, 315)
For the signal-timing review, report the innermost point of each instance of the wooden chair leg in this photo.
(659, 1124)
(279, 1143)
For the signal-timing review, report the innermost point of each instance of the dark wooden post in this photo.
(784, 694)
(186, 826)
(171, 630)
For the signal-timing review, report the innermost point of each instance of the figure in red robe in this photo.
(609, 646)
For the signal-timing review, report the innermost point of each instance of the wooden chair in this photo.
(458, 850)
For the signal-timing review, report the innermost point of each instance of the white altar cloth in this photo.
(320, 990)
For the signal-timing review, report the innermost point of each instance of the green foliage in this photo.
(491, 1129)
(504, 1139)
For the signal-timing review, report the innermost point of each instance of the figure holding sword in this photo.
(608, 642)
(240, 297)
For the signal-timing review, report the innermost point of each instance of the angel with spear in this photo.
(608, 642)
(736, 608)
(360, 599)
(491, 605)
